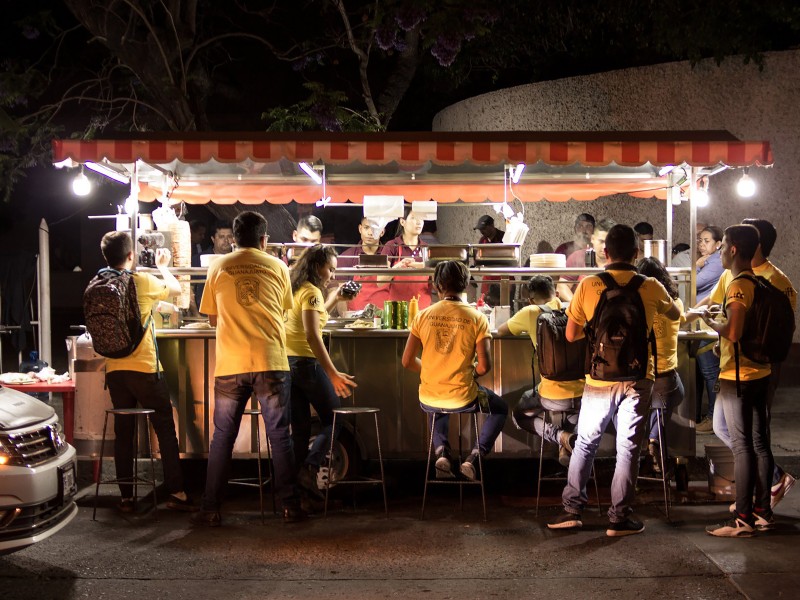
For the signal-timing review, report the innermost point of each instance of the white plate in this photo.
(17, 379)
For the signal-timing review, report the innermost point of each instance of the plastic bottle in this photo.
(33, 364)
(413, 309)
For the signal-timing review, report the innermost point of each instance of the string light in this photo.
(81, 186)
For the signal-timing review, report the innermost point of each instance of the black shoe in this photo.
(175, 503)
(307, 479)
(206, 518)
(293, 514)
(470, 467)
(566, 520)
(311, 504)
(627, 527)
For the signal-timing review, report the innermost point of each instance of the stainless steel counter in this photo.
(374, 358)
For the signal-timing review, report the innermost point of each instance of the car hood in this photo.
(20, 410)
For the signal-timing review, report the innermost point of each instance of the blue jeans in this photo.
(231, 395)
(667, 394)
(706, 374)
(721, 426)
(627, 402)
(311, 386)
(529, 415)
(747, 434)
(498, 411)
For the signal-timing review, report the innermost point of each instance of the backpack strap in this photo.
(544, 308)
(755, 282)
(608, 280)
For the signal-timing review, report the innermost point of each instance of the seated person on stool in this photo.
(450, 333)
(554, 396)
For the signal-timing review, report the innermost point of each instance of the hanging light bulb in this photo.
(131, 204)
(746, 187)
(81, 186)
(701, 194)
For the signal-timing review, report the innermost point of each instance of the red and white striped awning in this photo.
(460, 150)
(450, 152)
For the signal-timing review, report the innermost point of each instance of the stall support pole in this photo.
(692, 235)
(43, 277)
(670, 209)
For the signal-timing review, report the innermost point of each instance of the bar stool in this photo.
(355, 411)
(258, 482)
(548, 421)
(136, 480)
(459, 482)
(658, 407)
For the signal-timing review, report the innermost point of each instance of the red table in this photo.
(67, 391)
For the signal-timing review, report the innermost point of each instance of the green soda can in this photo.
(388, 314)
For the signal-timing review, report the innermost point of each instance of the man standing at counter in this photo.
(583, 230)
(489, 233)
(578, 258)
(613, 397)
(370, 292)
(308, 230)
(245, 297)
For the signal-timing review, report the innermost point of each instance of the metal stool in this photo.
(459, 482)
(547, 419)
(258, 482)
(355, 411)
(136, 480)
(665, 478)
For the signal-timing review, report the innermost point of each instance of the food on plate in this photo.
(17, 378)
(361, 324)
(197, 325)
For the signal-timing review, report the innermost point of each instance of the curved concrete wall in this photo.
(751, 104)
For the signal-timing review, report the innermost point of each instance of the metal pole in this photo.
(670, 210)
(43, 277)
(692, 235)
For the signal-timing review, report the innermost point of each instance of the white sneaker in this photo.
(780, 489)
(736, 527)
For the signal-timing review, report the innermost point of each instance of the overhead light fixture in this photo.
(746, 187)
(701, 197)
(108, 171)
(665, 170)
(131, 204)
(516, 172)
(309, 170)
(81, 186)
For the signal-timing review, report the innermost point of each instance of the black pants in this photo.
(127, 389)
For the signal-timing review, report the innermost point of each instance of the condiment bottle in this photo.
(413, 309)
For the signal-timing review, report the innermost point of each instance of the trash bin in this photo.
(88, 370)
(721, 479)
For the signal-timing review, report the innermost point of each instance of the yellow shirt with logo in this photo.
(248, 290)
(525, 321)
(587, 295)
(666, 332)
(449, 332)
(149, 291)
(739, 290)
(307, 297)
(766, 270)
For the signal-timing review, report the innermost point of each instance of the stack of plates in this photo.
(556, 261)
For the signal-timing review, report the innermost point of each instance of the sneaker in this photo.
(780, 489)
(764, 522)
(566, 520)
(627, 527)
(735, 527)
(126, 506)
(469, 468)
(206, 518)
(307, 479)
(566, 444)
(705, 426)
(175, 503)
(444, 468)
(292, 514)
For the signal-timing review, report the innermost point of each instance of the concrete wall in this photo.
(751, 104)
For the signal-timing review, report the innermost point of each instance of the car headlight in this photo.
(5, 456)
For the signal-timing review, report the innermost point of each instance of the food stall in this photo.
(446, 167)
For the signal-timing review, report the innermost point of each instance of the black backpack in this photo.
(111, 311)
(768, 325)
(618, 335)
(559, 359)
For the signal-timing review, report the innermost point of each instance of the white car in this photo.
(37, 472)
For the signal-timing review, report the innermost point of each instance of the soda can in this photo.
(401, 312)
(388, 314)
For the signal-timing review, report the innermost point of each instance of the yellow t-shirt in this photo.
(149, 291)
(307, 297)
(449, 332)
(587, 295)
(249, 291)
(766, 270)
(740, 290)
(525, 321)
(666, 332)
